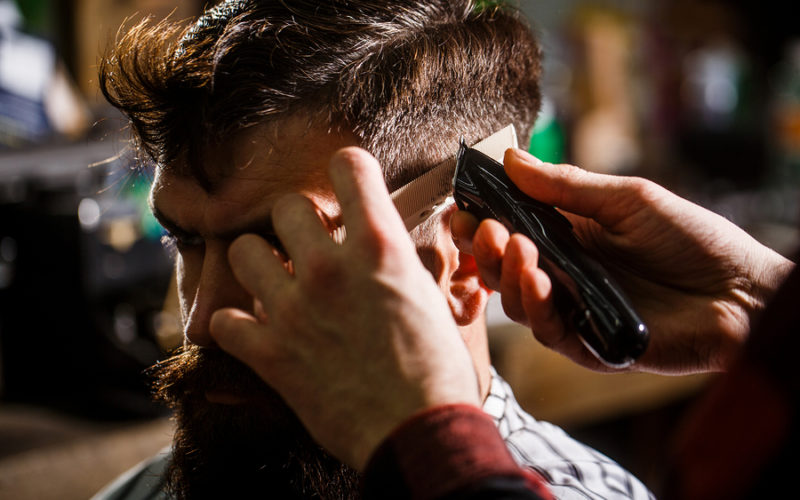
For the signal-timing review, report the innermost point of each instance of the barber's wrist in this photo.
(774, 274)
(765, 272)
(770, 271)
(375, 435)
(436, 451)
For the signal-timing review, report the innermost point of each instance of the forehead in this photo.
(251, 172)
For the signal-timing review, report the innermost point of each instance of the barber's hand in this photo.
(695, 278)
(358, 337)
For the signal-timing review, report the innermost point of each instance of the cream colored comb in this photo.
(432, 191)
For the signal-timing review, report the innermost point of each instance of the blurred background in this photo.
(701, 96)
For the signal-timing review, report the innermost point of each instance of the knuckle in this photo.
(378, 246)
(643, 188)
(566, 177)
(322, 270)
(484, 250)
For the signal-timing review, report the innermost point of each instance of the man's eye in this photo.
(175, 243)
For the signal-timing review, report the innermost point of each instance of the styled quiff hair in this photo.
(407, 77)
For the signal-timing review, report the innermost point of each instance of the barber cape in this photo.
(571, 469)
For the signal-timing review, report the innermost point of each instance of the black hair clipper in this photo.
(583, 292)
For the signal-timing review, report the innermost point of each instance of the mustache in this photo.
(191, 371)
(222, 451)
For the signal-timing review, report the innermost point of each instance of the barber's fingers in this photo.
(242, 336)
(301, 231)
(257, 268)
(521, 256)
(536, 293)
(599, 196)
(367, 210)
(488, 248)
(463, 226)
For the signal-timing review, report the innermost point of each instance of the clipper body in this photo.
(584, 293)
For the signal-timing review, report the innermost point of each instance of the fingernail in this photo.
(529, 157)
(520, 155)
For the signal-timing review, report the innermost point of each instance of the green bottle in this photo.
(547, 135)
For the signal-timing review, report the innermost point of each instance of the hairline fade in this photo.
(407, 77)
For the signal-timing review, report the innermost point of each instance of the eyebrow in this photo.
(262, 226)
(171, 226)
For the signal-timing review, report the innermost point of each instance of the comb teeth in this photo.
(339, 234)
(419, 199)
(429, 193)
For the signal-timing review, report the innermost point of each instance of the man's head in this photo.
(407, 78)
(249, 104)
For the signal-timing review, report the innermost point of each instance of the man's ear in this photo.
(466, 293)
(458, 277)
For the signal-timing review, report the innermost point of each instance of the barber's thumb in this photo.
(565, 186)
(530, 174)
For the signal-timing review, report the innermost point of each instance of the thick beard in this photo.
(259, 448)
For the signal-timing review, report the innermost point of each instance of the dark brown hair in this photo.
(408, 77)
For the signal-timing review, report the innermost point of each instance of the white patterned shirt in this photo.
(571, 469)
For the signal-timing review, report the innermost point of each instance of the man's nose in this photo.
(216, 288)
